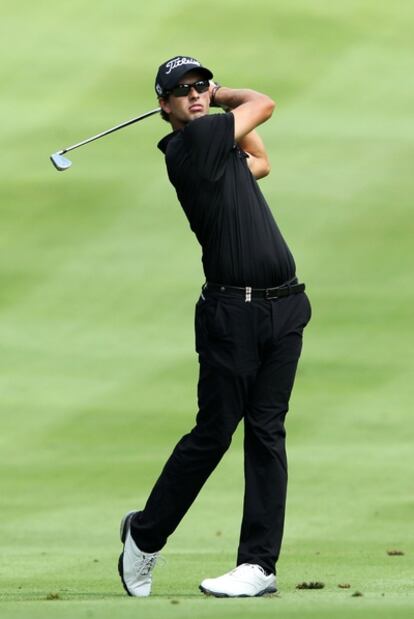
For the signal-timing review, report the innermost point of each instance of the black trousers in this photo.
(248, 354)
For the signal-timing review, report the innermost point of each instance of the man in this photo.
(249, 323)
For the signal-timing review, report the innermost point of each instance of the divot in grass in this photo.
(310, 585)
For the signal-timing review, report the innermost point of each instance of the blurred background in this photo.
(99, 273)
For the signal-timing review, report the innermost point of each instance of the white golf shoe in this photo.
(246, 580)
(134, 566)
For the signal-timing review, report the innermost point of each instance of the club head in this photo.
(60, 163)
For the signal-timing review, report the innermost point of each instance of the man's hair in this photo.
(164, 115)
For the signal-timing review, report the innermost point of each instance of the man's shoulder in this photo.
(209, 121)
(202, 133)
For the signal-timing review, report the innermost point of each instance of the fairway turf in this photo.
(99, 273)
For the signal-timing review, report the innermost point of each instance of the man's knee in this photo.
(216, 438)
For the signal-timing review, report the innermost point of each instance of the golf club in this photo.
(61, 163)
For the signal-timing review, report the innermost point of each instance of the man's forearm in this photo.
(233, 97)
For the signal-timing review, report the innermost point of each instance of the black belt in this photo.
(284, 290)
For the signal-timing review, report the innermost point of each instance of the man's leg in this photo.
(221, 399)
(264, 443)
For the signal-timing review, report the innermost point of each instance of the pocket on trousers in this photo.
(216, 321)
(225, 334)
(210, 323)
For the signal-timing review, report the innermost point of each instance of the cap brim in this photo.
(184, 70)
(205, 71)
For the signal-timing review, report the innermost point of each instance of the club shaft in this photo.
(100, 135)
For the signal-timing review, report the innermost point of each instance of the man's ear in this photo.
(164, 105)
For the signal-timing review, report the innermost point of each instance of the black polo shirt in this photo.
(241, 242)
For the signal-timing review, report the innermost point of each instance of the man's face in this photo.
(182, 110)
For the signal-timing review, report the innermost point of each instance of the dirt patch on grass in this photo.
(310, 585)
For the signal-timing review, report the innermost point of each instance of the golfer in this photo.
(249, 321)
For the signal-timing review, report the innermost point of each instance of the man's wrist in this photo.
(213, 95)
(216, 103)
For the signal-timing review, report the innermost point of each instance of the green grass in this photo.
(99, 273)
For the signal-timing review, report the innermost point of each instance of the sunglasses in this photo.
(182, 90)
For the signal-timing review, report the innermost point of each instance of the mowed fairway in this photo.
(99, 274)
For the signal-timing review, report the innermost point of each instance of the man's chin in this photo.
(195, 115)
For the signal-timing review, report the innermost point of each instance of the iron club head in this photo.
(60, 163)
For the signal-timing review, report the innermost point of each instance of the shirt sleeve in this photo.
(210, 140)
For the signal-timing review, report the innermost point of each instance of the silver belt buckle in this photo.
(269, 295)
(248, 296)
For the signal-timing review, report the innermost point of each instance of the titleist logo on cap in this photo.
(171, 71)
(178, 62)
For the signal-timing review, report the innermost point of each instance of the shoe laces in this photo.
(251, 566)
(145, 565)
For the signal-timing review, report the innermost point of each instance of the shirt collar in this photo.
(163, 144)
